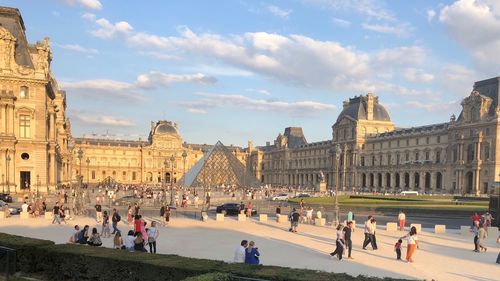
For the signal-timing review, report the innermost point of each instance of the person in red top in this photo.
(249, 209)
(475, 219)
(137, 224)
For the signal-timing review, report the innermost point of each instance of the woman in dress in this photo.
(252, 254)
(412, 239)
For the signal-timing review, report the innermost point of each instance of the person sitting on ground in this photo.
(239, 253)
(95, 238)
(139, 243)
(118, 241)
(252, 254)
(128, 243)
(74, 237)
(83, 235)
(24, 207)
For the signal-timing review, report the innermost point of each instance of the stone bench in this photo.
(281, 218)
(391, 226)
(320, 221)
(242, 217)
(2, 215)
(219, 217)
(263, 217)
(465, 230)
(49, 215)
(417, 226)
(440, 228)
(24, 215)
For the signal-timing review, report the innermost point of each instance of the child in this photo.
(397, 248)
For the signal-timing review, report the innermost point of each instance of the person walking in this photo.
(252, 255)
(239, 253)
(295, 220)
(105, 226)
(374, 234)
(55, 213)
(130, 217)
(412, 239)
(98, 212)
(475, 231)
(347, 238)
(368, 233)
(153, 234)
(481, 237)
(401, 220)
(115, 219)
(339, 242)
(167, 214)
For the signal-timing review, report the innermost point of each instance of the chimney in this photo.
(369, 106)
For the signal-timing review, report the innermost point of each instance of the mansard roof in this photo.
(357, 109)
(11, 20)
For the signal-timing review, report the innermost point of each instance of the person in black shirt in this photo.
(55, 212)
(115, 219)
(295, 220)
(98, 212)
(278, 210)
(347, 238)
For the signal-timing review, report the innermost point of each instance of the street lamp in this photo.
(184, 155)
(80, 179)
(172, 159)
(338, 151)
(88, 171)
(164, 181)
(7, 158)
(37, 185)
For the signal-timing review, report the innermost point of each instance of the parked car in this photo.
(13, 210)
(280, 197)
(232, 209)
(6, 197)
(302, 195)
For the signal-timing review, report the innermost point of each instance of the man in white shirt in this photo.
(24, 207)
(239, 253)
(368, 232)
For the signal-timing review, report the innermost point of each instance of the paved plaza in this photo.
(440, 257)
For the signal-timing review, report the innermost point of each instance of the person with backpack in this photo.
(115, 219)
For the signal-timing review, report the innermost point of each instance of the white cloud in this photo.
(341, 22)
(401, 56)
(77, 48)
(99, 84)
(196, 111)
(458, 79)
(475, 24)
(436, 106)
(88, 4)
(260, 91)
(369, 8)
(88, 17)
(212, 100)
(219, 70)
(279, 12)
(430, 15)
(417, 75)
(401, 30)
(108, 30)
(154, 79)
(159, 55)
(102, 120)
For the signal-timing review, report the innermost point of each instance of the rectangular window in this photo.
(438, 156)
(24, 93)
(134, 175)
(362, 161)
(407, 157)
(416, 141)
(427, 140)
(417, 156)
(24, 126)
(438, 139)
(93, 175)
(427, 155)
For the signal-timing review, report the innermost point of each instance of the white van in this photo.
(404, 193)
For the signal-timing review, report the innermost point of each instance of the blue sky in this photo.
(244, 70)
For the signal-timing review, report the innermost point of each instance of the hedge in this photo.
(80, 262)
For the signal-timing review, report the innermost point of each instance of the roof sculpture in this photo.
(218, 167)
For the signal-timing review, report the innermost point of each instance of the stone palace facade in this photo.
(458, 156)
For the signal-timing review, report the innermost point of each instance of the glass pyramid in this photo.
(219, 167)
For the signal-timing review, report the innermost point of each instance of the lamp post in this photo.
(172, 159)
(3, 183)
(7, 159)
(338, 151)
(37, 185)
(184, 155)
(164, 181)
(88, 171)
(78, 194)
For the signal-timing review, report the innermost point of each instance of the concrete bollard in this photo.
(219, 217)
(465, 230)
(49, 215)
(2, 215)
(24, 215)
(320, 221)
(263, 217)
(417, 226)
(391, 226)
(440, 228)
(204, 216)
(242, 217)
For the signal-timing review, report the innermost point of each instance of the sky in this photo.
(235, 70)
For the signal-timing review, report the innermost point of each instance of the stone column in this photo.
(433, 181)
(412, 181)
(3, 129)
(422, 181)
(52, 168)
(477, 186)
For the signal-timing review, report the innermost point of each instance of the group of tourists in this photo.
(247, 253)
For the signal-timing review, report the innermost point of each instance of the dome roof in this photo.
(166, 128)
(357, 109)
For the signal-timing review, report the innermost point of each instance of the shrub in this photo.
(27, 251)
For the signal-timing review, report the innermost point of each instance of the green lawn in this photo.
(399, 202)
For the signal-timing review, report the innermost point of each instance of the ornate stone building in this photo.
(34, 131)
(458, 156)
(135, 162)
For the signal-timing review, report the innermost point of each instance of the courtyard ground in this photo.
(440, 257)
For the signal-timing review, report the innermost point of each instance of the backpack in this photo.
(118, 218)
